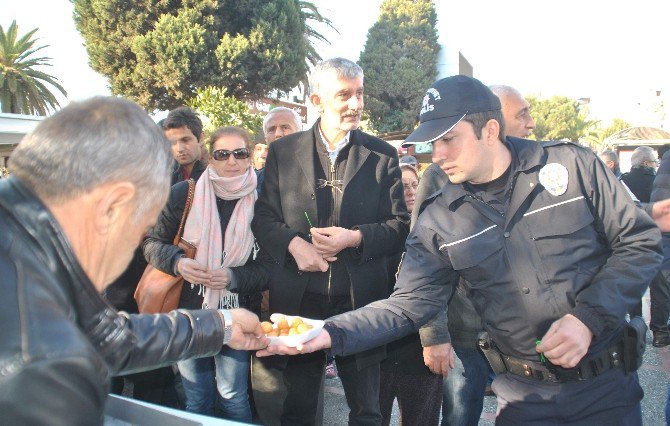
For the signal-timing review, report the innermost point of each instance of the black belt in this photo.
(610, 359)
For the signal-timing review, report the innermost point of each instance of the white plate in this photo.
(296, 339)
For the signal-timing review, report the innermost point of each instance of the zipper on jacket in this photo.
(332, 222)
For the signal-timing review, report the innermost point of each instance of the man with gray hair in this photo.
(330, 213)
(611, 160)
(86, 185)
(516, 111)
(279, 122)
(642, 173)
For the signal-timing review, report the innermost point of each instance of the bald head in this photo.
(516, 111)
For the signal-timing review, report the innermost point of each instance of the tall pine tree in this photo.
(400, 62)
(158, 52)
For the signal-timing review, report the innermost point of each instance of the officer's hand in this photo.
(660, 212)
(193, 272)
(332, 240)
(247, 331)
(320, 342)
(439, 358)
(566, 342)
(306, 256)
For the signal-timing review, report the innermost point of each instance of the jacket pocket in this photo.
(558, 219)
(469, 250)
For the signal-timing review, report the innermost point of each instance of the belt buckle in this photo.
(564, 374)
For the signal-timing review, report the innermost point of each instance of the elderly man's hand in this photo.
(320, 342)
(332, 240)
(247, 331)
(566, 342)
(439, 358)
(660, 212)
(306, 256)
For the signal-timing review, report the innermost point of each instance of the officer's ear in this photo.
(491, 131)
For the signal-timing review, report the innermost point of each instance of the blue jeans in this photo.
(463, 389)
(221, 380)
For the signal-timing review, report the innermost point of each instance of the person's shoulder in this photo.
(566, 146)
(373, 143)
(179, 192)
(289, 141)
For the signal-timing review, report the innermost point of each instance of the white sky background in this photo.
(614, 52)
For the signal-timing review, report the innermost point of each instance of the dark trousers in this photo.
(659, 292)
(613, 398)
(154, 386)
(419, 397)
(304, 374)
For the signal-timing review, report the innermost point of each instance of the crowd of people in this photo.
(505, 259)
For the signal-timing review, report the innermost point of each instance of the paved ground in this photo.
(654, 377)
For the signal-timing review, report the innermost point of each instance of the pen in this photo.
(309, 221)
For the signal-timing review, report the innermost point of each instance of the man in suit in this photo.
(330, 212)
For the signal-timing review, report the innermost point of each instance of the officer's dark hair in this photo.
(183, 116)
(479, 120)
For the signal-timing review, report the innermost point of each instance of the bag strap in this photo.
(187, 209)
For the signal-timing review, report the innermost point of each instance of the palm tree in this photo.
(22, 87)
(311, 14)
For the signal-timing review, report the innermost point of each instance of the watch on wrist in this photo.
(227, 325)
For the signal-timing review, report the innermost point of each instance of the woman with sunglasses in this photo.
(218, 224)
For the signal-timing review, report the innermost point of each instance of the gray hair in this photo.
(90, 143)
(609, 155)
(501, 91)
(640, 155)
(277, 110)
(344, 68)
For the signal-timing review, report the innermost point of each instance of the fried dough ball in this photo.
(267, 326)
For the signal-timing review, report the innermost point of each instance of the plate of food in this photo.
(290, 330)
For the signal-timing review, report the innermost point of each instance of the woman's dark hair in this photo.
(230, 130)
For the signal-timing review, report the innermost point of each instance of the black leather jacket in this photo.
(60, 342)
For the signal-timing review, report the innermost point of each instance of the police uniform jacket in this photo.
(588, 251)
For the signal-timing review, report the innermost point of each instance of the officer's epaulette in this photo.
(429, 200)
(559, 143)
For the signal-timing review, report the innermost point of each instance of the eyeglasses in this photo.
(224, 154)
(413, 186)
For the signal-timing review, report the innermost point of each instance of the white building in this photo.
(13, 127)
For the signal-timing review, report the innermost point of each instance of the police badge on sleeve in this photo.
(554, 178)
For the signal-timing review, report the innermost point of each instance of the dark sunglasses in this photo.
(224, 154)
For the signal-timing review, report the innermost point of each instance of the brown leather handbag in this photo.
(157, 291)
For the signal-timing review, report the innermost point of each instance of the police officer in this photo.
(553, 249)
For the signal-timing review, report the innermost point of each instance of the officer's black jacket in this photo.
(589, 252)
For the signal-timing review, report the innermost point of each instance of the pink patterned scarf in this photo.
(203, 228)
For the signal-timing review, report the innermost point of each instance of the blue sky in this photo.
(614, 52)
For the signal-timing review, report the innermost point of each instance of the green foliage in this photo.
(158, 52)
(222, 110)
(23, 89)
(400, 62)
(596, 139)
(559, 118)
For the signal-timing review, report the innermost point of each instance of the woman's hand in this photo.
(193, 271)
(220, 278)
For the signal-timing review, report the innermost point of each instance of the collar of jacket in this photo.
(526, 155)
(198, 166)
(645, 170)
(358, 153)
(95, 317)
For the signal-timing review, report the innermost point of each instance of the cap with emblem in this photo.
(447, 102)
